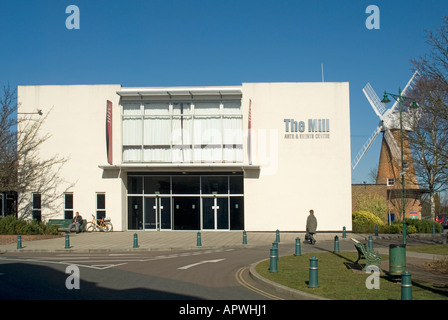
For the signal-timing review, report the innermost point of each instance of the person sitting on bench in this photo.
(77, 222)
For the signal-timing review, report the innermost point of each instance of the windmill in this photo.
(389, 122)
(390, 163)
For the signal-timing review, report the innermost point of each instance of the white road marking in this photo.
(199, 263)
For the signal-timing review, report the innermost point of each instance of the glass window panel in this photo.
(130, 109)
(100, 201)
(135, 185)
(157, 131)
(207, 130)
(186, 185)
(68, 200)
(181, 108)
(182, 132)
(157, 185)
(204, 108)
(232, 130)
(36, 201)
(156, 109)
(236, 213)
(182, 154)
(135, 213)
(236, 184)
(132, 154)
(233, 153)
(132, 131)
(157, 154)
(208, 153)
(68, 214)
(231, 107)
(214, 184)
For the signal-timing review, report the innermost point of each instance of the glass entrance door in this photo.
(215, 213)
(186, 213)
(157, 213)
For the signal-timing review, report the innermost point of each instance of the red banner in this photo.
(109, 131)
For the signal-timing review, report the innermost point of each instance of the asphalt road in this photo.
(220, 274)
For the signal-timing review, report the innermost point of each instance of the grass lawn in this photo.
(337, 281)
(434, 248)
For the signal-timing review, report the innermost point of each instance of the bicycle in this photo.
(102, 224)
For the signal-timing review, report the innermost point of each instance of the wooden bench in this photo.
(64, 223)
(371, 256)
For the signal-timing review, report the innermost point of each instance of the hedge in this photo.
(365, 222)
(11, 225)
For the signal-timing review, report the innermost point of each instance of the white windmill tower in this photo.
(390, 162)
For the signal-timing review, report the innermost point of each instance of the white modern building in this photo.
(253, 157)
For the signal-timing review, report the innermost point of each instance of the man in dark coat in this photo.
(77, 222)
(311, 226)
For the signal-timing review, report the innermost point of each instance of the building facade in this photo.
(253, 157)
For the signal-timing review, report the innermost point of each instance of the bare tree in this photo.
(429, 140)
(22, 168)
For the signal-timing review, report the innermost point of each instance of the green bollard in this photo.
(19, 241)
(298, 248)
(406, 286)
(344, 235)
(135, 241)
(277, 236)
(376, 230)
(275, 248)
(244, 237)
(446, 237)
(433, 229)
(198, 239)
(273, 260)
(336, 244)
(67, 241)
(313, 281)
(370, 243)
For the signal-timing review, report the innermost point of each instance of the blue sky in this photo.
(221, 42)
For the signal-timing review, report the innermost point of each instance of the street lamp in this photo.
(400, 99)
(39, 112)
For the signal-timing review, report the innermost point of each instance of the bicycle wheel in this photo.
(108, 227)
(90, 227)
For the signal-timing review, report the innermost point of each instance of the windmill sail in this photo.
(366, 147)
(408, 86)
(375, 102)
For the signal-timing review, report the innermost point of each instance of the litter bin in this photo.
(397, 259)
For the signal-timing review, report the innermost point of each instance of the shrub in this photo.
(423, 226)
(364, 222)
(12, 225)
(414, 226)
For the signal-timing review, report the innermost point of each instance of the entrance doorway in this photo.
(157, 213)
(215, 213)
(183, 201)
(186, 213)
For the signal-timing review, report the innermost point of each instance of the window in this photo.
(68, 206)
(206, 131)
(37, 207)
(100, 205)
(390, 182)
